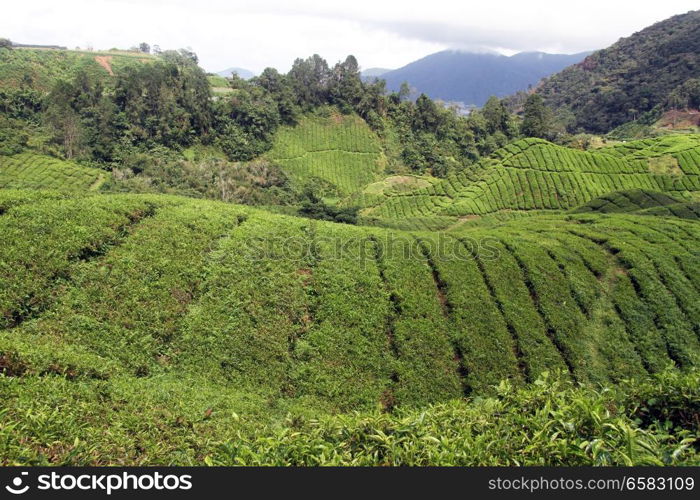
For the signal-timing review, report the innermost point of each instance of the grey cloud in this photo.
(485, 38)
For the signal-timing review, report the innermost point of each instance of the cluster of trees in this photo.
(685, 96)
(436, 139)
(165, 103)
(537, 119)
(168, 103)
(313, 207)
(432, 138)
(248, 118)
(161, 170)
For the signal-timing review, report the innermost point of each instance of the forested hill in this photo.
(138, 113)
(657, 68)
(472, 78)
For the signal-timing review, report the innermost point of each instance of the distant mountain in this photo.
(655, 69)
(373, 72)
(242, 72)
(471, 78)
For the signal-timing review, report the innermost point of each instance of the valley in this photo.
(310, 268)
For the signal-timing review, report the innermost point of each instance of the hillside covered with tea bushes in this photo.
(304, 268)
(269, 313)
(532, 174)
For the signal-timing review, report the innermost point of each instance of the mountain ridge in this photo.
(471, 78)
(642, 73)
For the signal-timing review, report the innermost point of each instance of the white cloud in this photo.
(256, 34)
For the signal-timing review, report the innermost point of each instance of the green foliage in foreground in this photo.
(153, 284)
(549, 423)
(168, 420)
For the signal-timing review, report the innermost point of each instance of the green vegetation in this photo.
(380, 281)
(315, 208)
(550, 423)
(635, 79)
(205, 174)
(131, 110)
(28, 170)
(536, 119)
(148, 329)
(532, 174)
(643, 203)
(339, 150)
(39, 69)
(686, 210)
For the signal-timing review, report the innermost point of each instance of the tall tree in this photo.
(63, 120)
(345, 86)
(280, 89)
(309, 78)
(496, 115)
(404, 91)
(536, 120)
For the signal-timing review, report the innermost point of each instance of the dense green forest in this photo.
(637, 78)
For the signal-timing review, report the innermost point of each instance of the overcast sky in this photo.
(260, 33)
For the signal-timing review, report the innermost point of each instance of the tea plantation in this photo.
(340, 150)
(147, 329)
(532, 174)
(34, 171)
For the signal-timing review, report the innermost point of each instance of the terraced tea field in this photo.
(532, 174)
(205, 308)
(642, 203)
(341, 150)
(34, 171)
(599, 297)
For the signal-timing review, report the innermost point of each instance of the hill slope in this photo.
(471, 78)
(34, 171)
(117, 302)
(642, 202)
(329, 313)
(532, 174)
(39, 69)
(634, 75)
(340, 151)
